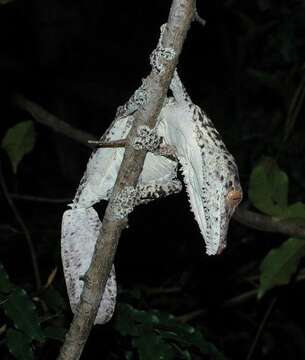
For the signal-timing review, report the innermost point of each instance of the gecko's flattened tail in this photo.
(80, 229)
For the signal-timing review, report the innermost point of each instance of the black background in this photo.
(81, 60)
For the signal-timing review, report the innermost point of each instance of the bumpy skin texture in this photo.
(209, 170)
(185, 134)
(80, 230)
(80, 225)
(161, 53)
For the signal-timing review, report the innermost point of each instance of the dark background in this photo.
(81, 60)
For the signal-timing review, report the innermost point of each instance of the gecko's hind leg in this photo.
(147, 139)
(148, 193)
(125, 201)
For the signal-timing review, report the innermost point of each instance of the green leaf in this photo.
(19, 345)
(280, 264)
(268, 188)
(54, 299)
(5, 284)
(55, 333)
(22, 311)
(18, 141)
(128, 320)
(161, 329)
(294, 211)
(152, 347)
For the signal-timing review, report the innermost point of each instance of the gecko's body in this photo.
(209, 170)
(210, 175)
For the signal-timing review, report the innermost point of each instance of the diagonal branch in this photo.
(24, 229)
(267, 223)
(245, 217)
(157, 83)
(44, 117)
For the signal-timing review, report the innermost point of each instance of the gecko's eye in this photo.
(234, 197)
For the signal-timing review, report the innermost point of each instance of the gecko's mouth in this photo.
(221, 247)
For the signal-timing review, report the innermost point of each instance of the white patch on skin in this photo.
(161, 53)
(209, 170)
(81, 223)
(80, 229)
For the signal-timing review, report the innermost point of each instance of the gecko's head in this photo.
(209, 170)
(220, 195)
(215, 183)
(214, 193)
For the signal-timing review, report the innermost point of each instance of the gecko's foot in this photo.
(148, 193)
(147, 139)
(168, 151)
(124, 202)
(161, 53)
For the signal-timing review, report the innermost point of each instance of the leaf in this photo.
(19, 345)
(294, 211)
(54, 299)
(280, 264)
(18, 141)
(161, 329)
(152, 347)
(129, 319)
(5, 284)
(268, 188)
(55, 333)
(22, 311)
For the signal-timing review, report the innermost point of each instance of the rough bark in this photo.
(180, 17)
(242, 215)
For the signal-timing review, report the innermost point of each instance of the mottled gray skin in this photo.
(210, 172)
(220, 177)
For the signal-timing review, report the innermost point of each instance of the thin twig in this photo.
(110, 144)
(234, 301)
(23, 228)
(157, 84)
(267, 223)
(199, 19)
(161, 291)
(260, 329)
(191, 315)
(39, 199)
(44, 117)
(246, 217)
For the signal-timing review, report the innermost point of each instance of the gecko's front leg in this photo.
(151, 141)
(151, 192)
(126, 200)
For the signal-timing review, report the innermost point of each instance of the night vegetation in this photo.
(77, 62)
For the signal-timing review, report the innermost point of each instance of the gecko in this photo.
(209, 171)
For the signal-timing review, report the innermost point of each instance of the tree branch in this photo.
(157, 83)
(50, 120)
(24, 229)
(199, 19)
(267, 223)
(245, 217)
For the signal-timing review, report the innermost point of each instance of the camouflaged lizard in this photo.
(186, 135)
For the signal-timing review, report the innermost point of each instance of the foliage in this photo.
(252, 84)
(158, 335)
(280, 264)
(268, 192)
(19, 141)
(23, 320)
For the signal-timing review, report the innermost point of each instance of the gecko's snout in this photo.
(234, 197)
